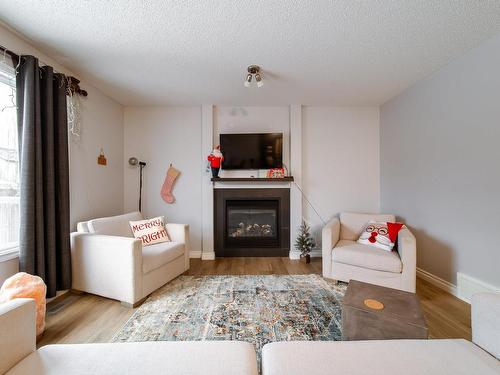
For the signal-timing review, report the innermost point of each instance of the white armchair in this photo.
(345, 259)
(108, 261)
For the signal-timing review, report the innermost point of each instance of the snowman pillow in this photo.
(380, 234)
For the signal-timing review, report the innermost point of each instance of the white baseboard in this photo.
(195, 254)
(208, 255)
(437, 281)
(295, 255)
(468, 286)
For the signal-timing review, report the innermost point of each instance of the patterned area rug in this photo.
(256, 309)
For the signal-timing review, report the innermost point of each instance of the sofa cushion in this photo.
(356, 254)
(180, 358)
(486, 322)
(114, 225)
(388, 357)
(352, 224)
(156, 255)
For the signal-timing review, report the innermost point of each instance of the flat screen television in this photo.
(252, 150)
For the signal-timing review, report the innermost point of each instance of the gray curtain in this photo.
(44, 173)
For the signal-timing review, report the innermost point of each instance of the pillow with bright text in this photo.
(380, 234)
(150, 231)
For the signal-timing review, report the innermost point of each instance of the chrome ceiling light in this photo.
(254, 70)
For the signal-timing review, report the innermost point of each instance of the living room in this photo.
(304, 187)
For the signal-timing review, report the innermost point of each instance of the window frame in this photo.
(8, 77)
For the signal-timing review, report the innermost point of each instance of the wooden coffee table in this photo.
(372, 312)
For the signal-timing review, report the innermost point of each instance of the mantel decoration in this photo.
(275, 173)
(215, 158)
(304, 242)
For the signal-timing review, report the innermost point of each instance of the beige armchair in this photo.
(108, 261)
(345, 259)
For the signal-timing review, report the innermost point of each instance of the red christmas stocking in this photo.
(166, 189)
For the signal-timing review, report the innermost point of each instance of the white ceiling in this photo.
(342, 52)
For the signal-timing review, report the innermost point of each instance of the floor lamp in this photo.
(134, 162)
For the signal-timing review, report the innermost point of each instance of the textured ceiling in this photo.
(342, 52)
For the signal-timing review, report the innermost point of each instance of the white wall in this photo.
(440, 165)
(160, 136)
(8, 268)
(340, 157)
(340, 165)
(95, 190)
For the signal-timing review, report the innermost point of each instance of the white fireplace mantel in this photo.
(294, 169)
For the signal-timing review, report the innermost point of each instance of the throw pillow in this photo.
(381, 235)
(150, 231)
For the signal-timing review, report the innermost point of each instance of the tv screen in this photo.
(252, 151)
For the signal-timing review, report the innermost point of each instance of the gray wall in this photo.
(440, 165)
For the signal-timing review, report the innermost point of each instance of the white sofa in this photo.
(345, 259)
(18, 354)
(108, 261)
(396, 357)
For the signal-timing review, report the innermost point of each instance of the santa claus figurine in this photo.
(215, 159)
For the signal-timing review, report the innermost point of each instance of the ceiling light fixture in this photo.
(248, 80)
(254, 70)
(259, 81)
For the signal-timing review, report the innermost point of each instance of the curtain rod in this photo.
(72, 83)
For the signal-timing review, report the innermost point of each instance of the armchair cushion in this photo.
(156, 255)
(352, 224)
(365, 256)
(380, 234)
(114, 225)
(150, 231)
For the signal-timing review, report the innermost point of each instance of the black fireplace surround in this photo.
(252, 222)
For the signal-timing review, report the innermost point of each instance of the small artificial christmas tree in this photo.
(304, 242)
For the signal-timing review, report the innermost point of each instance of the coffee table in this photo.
(373, 312)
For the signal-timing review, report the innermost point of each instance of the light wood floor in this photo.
(87, 318)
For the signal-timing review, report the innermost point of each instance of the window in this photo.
(9, 163)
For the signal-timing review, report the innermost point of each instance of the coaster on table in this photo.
(373, 304)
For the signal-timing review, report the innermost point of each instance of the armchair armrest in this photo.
(486, 322)
(407, 249)
(180, 233)
(330, 235)
(18, 332)
(110, 266)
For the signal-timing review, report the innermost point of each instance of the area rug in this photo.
(256, 309)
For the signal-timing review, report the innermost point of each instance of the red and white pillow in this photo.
(150, 231)
(380, 234)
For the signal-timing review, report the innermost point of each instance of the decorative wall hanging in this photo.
(73, 92)
(101, 159)
(168, 184)
(74, 117)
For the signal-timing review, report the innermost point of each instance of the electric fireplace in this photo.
(252, 222)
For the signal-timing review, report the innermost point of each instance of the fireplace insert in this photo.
(252, 222)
